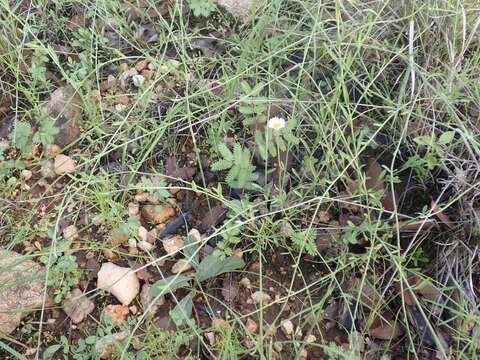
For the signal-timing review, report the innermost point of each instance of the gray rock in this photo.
(78, 306)
(22, 285)
(240, 8)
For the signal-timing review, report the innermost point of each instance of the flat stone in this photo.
(21, 291)
(78, 306)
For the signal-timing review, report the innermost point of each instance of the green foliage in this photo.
(208, 268)
(202, 7)
(155, 187)
(46, 132)
(304, 241)
(130, 228)
(238, 211)
(64, 272)
(241, 172)
(270, 141)
(423, 165)
(21, 136)
(253, 105)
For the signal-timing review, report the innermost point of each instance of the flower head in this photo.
(276, 123)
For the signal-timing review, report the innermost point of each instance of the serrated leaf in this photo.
(221, 165)
(213, 266)
(169, 284)
(225, 152)
(45, 135)
(21, 136)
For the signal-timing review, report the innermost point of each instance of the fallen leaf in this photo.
(441, 216)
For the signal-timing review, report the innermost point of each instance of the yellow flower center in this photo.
(276, 125)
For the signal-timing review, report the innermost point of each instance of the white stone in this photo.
(119, 281)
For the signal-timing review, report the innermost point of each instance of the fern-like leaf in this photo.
(222, 164)
(225, 152)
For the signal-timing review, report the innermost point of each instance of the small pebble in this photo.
(260, 296)
(245, 282)
(145, 246)
(287, 327)
(138, 80)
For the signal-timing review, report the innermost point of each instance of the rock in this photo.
(287, 328)
(210, 337)
(142, 233)
(117, 237)
(27, 174)
(245, 282)
(173, 244)
(260, 296)
(138, 80)
(240, 8)
(21, 291)
(51, 150)
(119, 281)
(141, 65)
(65, 106)
(115, 314)
(64, 164)
(310, 339)
(157, 214)
(251, 325)
(47, 169)
(133, 209)
(78, 306)
(145, 246)
(148, 303)
(181, 266)
(107, 346)
(70, 232)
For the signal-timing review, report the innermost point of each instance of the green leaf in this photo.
(221, 165)
(212, 266)
(182, 312)
(45, 135)
(50, 351)
(225, 152)
(21, 136)
(170, 283)
(191, 249)
(424, 140)
(446, 138)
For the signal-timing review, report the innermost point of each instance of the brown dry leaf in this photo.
(64, 106)
(374, 172)
(441, 216)
(385, 328)
(213, 217)
(172, 169)
(417, 225)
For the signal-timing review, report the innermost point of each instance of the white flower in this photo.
(276, 123)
